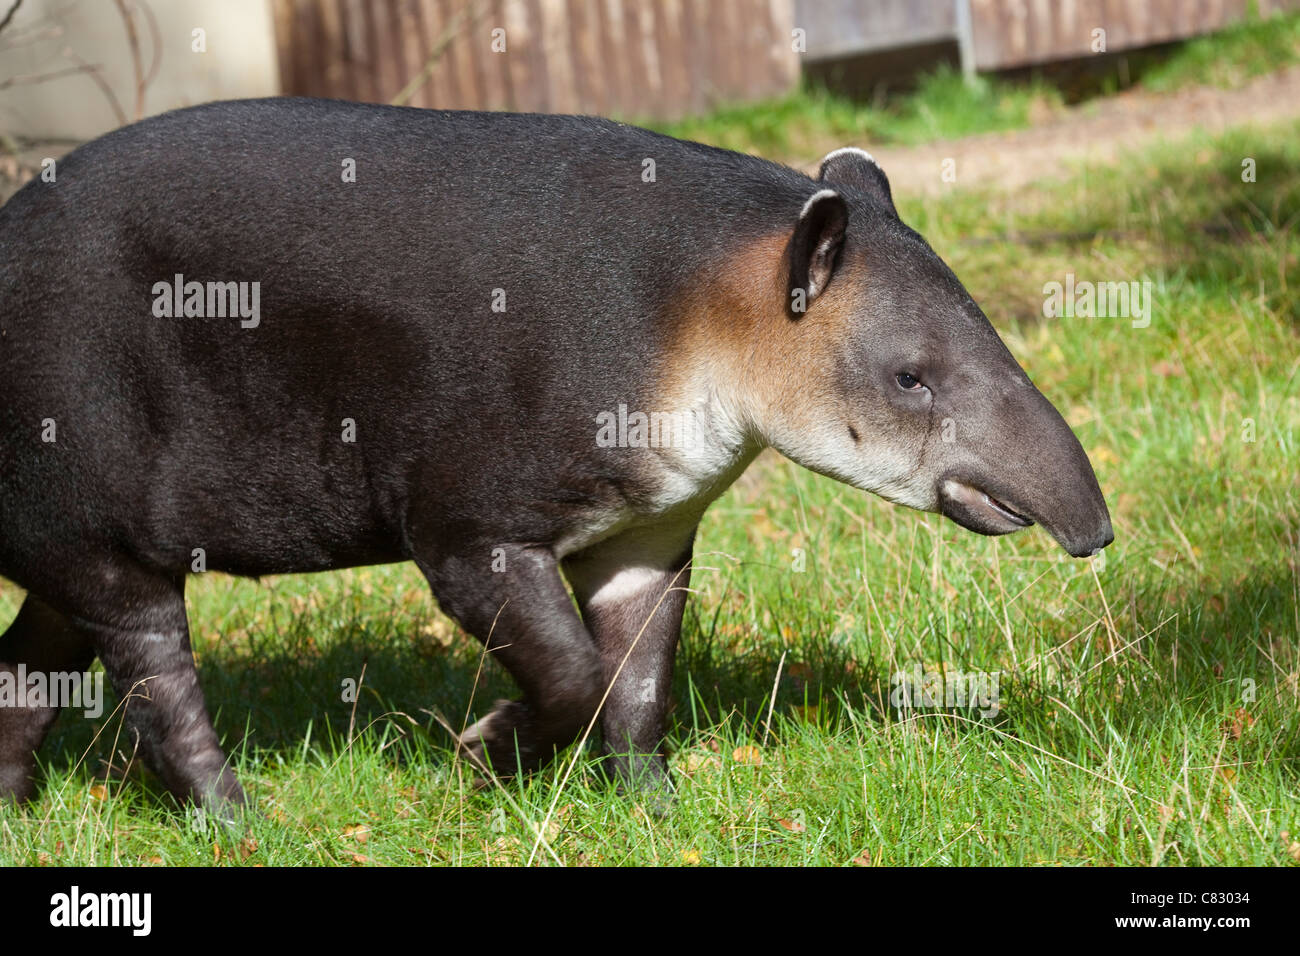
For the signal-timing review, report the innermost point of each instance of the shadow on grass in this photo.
(288, 697)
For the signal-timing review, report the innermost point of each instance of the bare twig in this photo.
(472, 11)
(97, 75)
(771, 706)
(155, 38)
(137, 64)
(10, 15)
(29, 78)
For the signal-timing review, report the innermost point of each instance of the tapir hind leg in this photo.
(632, 591)
(42, 641)
(135, 620)
(524, 615)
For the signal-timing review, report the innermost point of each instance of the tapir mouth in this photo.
(978, 510)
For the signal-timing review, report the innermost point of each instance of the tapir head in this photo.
(917, 399)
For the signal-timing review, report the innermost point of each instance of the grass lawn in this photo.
(1146, 705)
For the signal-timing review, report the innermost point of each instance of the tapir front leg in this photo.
(516, 603)
(632, 591)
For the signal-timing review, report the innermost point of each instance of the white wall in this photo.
(240, 61)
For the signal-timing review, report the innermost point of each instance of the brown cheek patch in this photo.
(730, 328)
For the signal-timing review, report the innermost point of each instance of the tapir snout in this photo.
(1030, 468)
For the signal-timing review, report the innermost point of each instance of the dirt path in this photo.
(1096, 131)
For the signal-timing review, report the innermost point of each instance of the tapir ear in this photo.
(814, 248)
(857, 168)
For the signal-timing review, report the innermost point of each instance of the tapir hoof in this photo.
(642, 777)
(500, 744)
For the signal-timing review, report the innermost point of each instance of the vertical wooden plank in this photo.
(490, 69)
(728, 32)
(557, 56)
(429, 27)
(1038, 23)
(367, 24)
(411, 49)
(786, 66)
(318, 54)
(758, 28)
(440, 89)
(1070, 31)
(521, 87)
(360, 78)
(671, 54)
(612, 38)
(538, 76)
(282, 15)
(589, 72)
(644, 37)
(333, 78)
(347, 73)
(395, 43)
(379, 45)
(697, 50)
(459, 92)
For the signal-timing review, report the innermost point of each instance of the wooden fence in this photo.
(643, 59)
(1000, 34)
(629, 58)
(1011, 33)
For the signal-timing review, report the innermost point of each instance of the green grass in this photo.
(810, 121)
(1231, 56)
(943, 105)
(1148, 703)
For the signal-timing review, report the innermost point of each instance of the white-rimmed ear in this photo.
(857, 169)
(814, 248)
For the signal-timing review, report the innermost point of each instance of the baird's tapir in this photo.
(291, 335)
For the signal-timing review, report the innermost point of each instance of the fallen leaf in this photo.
(691, 857)
(794, 826)
(356, 831)
(694, 762)
(748, 754)
(99, 792)
(1241, 722)
(863, 858)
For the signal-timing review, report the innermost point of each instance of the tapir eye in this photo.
(908, 382)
